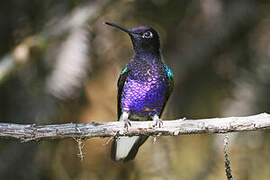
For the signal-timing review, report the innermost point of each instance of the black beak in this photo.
(119, 27)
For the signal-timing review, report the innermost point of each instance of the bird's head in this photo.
(144, 38)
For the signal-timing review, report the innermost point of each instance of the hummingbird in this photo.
(144, 87)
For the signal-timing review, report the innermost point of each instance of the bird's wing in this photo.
(120, 84)
(169, 88)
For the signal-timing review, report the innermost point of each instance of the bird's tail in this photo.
(126, 148)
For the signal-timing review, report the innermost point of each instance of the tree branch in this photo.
(30, 132)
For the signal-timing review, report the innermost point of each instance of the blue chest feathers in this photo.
(144, 92)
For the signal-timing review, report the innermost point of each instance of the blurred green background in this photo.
(59, 63)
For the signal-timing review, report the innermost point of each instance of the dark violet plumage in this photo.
(144, 87)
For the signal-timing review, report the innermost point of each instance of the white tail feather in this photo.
(123, 146)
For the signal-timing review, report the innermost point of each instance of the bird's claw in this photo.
(158, 122)
(127, 124)
(124, 118)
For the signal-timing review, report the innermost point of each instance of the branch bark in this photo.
(31, 132)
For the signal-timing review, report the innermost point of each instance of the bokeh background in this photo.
(59, 64)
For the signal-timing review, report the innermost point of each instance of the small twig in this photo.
(80, 147)
(227, 159)
(108, 141)
(154, 139)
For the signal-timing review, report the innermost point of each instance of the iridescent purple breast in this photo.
(144, 92)
(143, 98)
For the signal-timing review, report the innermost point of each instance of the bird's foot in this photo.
(124, 118)
(157, 122)
(127, 124)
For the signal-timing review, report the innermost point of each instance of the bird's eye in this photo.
(147, 34)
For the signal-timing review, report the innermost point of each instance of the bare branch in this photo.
(30, 132)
